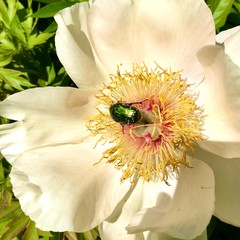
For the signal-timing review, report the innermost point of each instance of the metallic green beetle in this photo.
(125, 113)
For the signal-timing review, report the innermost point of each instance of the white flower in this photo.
(149, 48)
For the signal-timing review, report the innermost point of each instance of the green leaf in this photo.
(4, 13)
(7, 43)
(6, 197)
(12, 9)
(14, 78)
(48, 1)
(51, 28)
(88, 236)
(71, 235)
(31, 232)
(41, 38)
(17, 30)
(44, 235)
(16, 226)
(3, 225)
(237, 5)
(95, 233)
(213, 4)
(51, 73)
(5, 58)
(51, 9)
(5, 211)
(27, 22)
(51, 77)
(1, 170)
(7, 48)
(221, 12)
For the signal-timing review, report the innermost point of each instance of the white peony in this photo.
(160, 177)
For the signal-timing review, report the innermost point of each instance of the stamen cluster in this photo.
(168, 131)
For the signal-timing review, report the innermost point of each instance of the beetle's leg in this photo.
(122, 128)
(167, 183)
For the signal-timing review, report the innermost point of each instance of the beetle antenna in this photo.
(138, 102)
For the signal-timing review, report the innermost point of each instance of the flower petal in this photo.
(177, 214)
(167, 42)
(117, 230)
(161, 236)
(108, 230)
(227, 188)
(115, 226)
(46, 117)
(137, 36)
(224, 35)
(62, 189)
(220, 97)
(139, 198)
(231, 40)
(74, 49)
(112, 40)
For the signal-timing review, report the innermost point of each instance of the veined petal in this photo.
(63, 189)
(231, 40)
(46, 117)
(143, 37)
(74, 48)
(227, 188)
(220, 97)
(177, 215)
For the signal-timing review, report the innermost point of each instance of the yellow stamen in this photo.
(170, 127)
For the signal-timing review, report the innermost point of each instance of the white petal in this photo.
(109, 230)
(220, 96)
(184, 214)
(61, 189)
(46, 117)
(140, 32)
(203, 236)
(230, 39)
(110, 29)
(115, 226)
(138, 199)
(116, 230)
(74, 48)
(161, 236)
(224, 35)
(176, 210)
(224, 149)
(175, 42)
(227, 178)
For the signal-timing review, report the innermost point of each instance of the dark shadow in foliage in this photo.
(218, 230)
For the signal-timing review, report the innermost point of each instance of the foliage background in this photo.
(28, 59)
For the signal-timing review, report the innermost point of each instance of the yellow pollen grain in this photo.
(169, 130)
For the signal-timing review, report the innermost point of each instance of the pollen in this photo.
(170, 127)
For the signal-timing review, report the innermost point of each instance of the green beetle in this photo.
(125, 113)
